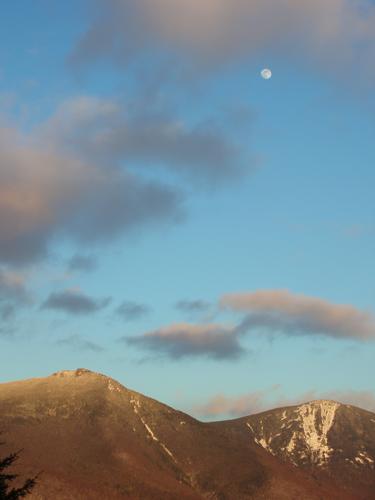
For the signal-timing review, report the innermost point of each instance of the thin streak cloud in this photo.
(132, 311)
(74, 302)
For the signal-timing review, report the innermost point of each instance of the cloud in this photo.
(87, 173)
(13, 287)
(74, 302)
(214, 31)
(269, 311)
(84, 263)
(144, 134)
(131, 311)
(193, 306)
(13, 294)
(279, 311)
(7, 311)
(7, 331)
(358, 230)
(46, 193)
(222, 406)
(186, 340)
(362, 399)
(79, 344)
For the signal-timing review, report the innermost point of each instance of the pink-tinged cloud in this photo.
(13, 286)
(212, 31)
(278, 311)
(226, 406)
(186, 340)
(223, 406)
(13, 294)
(145, 136)
(47, 192)
(362, 399)
(70, 176)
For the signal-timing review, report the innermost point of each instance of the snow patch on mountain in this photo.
(112, 387)
(363, 458)
(136, 406)
(300, 432)
(317, 419)
(262, 441)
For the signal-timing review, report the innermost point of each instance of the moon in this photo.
(266, 73)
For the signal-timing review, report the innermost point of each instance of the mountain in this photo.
(330, 440)
(95, 439)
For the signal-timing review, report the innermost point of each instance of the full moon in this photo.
(266, 73)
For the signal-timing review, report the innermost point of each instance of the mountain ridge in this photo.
(114, 443)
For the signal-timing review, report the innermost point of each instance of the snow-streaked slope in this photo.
(329, 439)
(95, 439)
(80, 428)
(305, 430)
(309, 434)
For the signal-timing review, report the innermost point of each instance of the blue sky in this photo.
(148, 147)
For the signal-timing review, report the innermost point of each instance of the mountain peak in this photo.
(89, 375)
(311, 434)
(78, 372)
(321, 402)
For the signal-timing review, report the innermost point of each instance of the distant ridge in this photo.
(96, 439)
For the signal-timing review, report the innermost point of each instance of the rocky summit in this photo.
(93, 438)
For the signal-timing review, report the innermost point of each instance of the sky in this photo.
(171, 219)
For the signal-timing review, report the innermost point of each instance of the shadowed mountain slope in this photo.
(95, 439)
